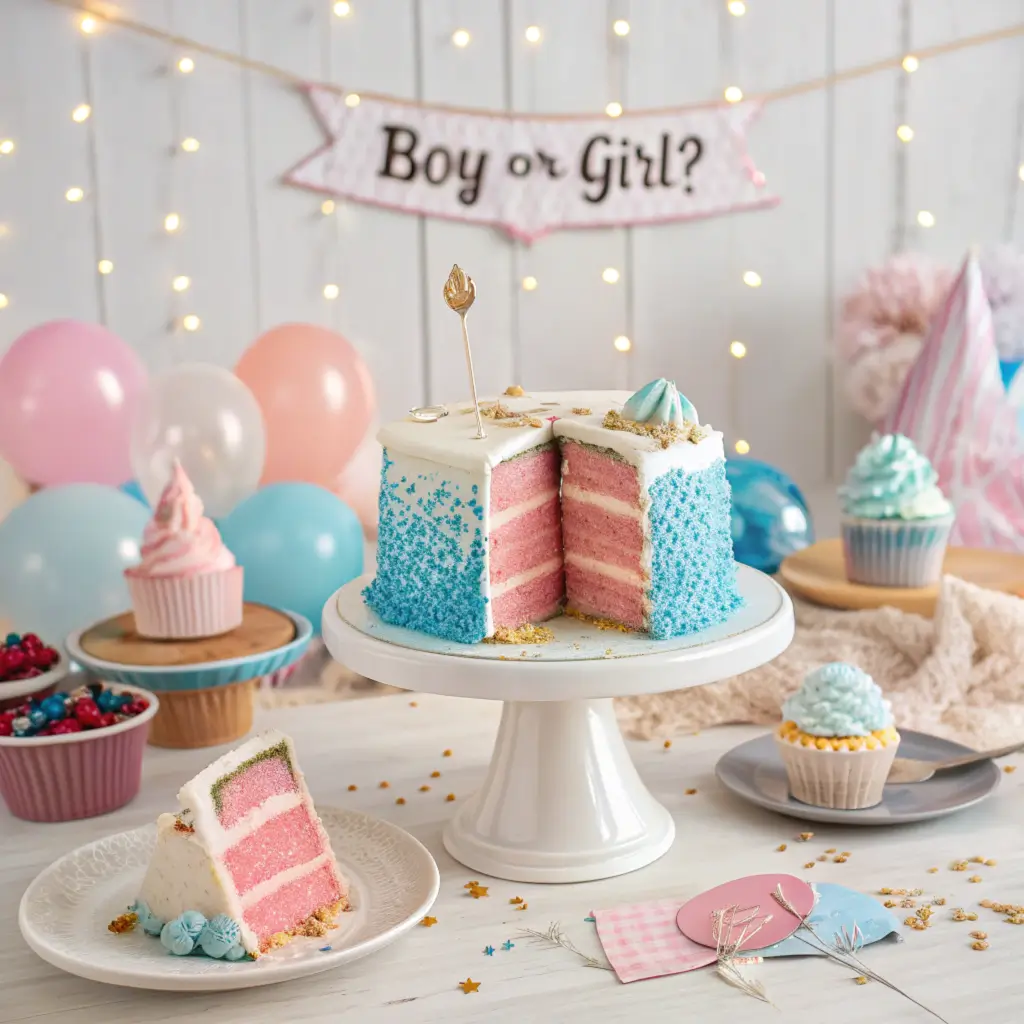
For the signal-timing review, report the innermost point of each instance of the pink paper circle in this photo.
(695, 917)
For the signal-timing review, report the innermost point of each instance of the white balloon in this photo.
(206, 417)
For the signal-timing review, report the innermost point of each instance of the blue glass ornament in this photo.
(12, 639)
(108, 701)
(770, 518)
(37, 719)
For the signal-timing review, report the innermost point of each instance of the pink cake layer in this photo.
(535, 601)
(249, 789)
(596, 594)
(532, 539)
(523, 477)
(288, 907)
(285, 841)
(586, 468)
(595, 532)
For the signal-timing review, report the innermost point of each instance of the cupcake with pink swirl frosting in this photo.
(187, 585)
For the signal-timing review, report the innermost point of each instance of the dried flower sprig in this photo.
(728, 946)
(844, 949)
(555, 938)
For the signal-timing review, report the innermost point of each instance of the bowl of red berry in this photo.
(28, 668)
(74, 754)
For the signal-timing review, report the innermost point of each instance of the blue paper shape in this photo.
(838, 908)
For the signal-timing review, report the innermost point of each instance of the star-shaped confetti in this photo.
(489, 950)
(508, 944)
(516, 900)
(523, 906)
(428, 922)
(590, 920)
(469, 985)
(325, 949)
(471, 885)
(477, 891)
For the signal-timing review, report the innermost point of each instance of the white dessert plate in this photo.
(754, 772)
(65, 911)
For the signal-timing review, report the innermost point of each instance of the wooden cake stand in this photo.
(562, 801)
(817, 573)
(205, 686)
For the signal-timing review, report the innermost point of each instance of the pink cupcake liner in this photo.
(842, 779)
(77, 775)
(187, 607)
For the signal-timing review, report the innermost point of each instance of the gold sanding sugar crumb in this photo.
(123, 923)
(435, 774)
(514, 391)
(528, 634)
(413, 704)
(831, 849)
(446, 753)
(352, 788)
(666, 434)
(979, 935)
(780, 848)
(424, 788)
(667, 744)
(805, 837)
(385, 784)
(581, 410)
(1009, 768)
(691, 792)
(400, 800)
(980, 944)
(860, 980)
(595, 621)
(933, 871)
(974, 878)
(990, 863)
(809, 864)
(450, 797)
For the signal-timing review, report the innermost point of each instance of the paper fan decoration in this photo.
(954, 407)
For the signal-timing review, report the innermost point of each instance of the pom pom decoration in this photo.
(881, 329)
(181, 935)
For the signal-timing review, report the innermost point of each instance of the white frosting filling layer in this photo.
(506, 515)
(497, 589)
(603, 501)
(615, 572)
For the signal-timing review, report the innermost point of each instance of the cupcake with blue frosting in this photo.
(837, 738)
(896, 521)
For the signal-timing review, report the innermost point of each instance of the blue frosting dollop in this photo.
(221, 938)
(180, 935)
(838, 699)
(891, 479)
(148, 921)
(659, 402)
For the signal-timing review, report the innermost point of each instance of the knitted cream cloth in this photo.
(959, 675)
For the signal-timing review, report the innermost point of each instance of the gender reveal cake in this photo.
(600, 503)
(245, 864)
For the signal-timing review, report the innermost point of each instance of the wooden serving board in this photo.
(262, 629)
(818, 574)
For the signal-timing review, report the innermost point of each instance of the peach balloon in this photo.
(316, 396)
(358, 485)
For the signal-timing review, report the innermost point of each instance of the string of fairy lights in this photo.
(185, 64)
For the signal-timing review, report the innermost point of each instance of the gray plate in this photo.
(754, 771)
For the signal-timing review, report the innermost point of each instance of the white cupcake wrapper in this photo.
(187, 607)
(842, 779)
(895, 553)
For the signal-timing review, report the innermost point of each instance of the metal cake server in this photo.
(905, 769)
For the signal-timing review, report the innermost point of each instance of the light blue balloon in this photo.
(63, 553)
(133, 490)
(298, 543)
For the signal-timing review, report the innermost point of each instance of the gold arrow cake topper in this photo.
(460, 294)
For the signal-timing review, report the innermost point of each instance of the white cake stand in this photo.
(562, 801)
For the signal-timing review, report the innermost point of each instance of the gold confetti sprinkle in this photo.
(939, 901)
(890, 904)
(805, 837)
(841, 859)
(450, 797)
(428, 922)
(435, 775)
(469, 985)
(809, 864)
(831, 849)
(123, 923)
(522, 906)
(400, 800)
(980, 944)
(478, 891)
(860, 980)
(352, 788)
(414, 704)
(691, 792)
(514, 391)
(385, 784)
(974, 878)
(1009, 768)
(780, 848)
(424, 788)
(822, 859)
(933, 871)
(516, 900)
(667, 744)
(990, 863)
(977, 860)
(446, 753)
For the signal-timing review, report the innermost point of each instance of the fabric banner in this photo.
(532, 175)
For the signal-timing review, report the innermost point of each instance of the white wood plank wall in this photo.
(259, 253)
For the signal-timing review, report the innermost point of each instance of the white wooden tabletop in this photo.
(719, 838)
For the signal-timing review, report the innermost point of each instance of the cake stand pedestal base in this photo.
(562, 801)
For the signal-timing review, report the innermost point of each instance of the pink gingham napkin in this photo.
(642, 940)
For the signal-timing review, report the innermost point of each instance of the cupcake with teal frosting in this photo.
(896, 521)
(837, 738)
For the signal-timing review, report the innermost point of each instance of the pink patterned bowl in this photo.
(78, 774)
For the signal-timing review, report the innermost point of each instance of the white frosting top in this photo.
(451, 440)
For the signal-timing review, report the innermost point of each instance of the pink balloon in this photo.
(68, 395)
(316, 396)
(359, 483)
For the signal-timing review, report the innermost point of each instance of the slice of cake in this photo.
(245, 865)
(614, 504)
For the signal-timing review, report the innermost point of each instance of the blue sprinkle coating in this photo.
(693, 573)
(426, 579)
